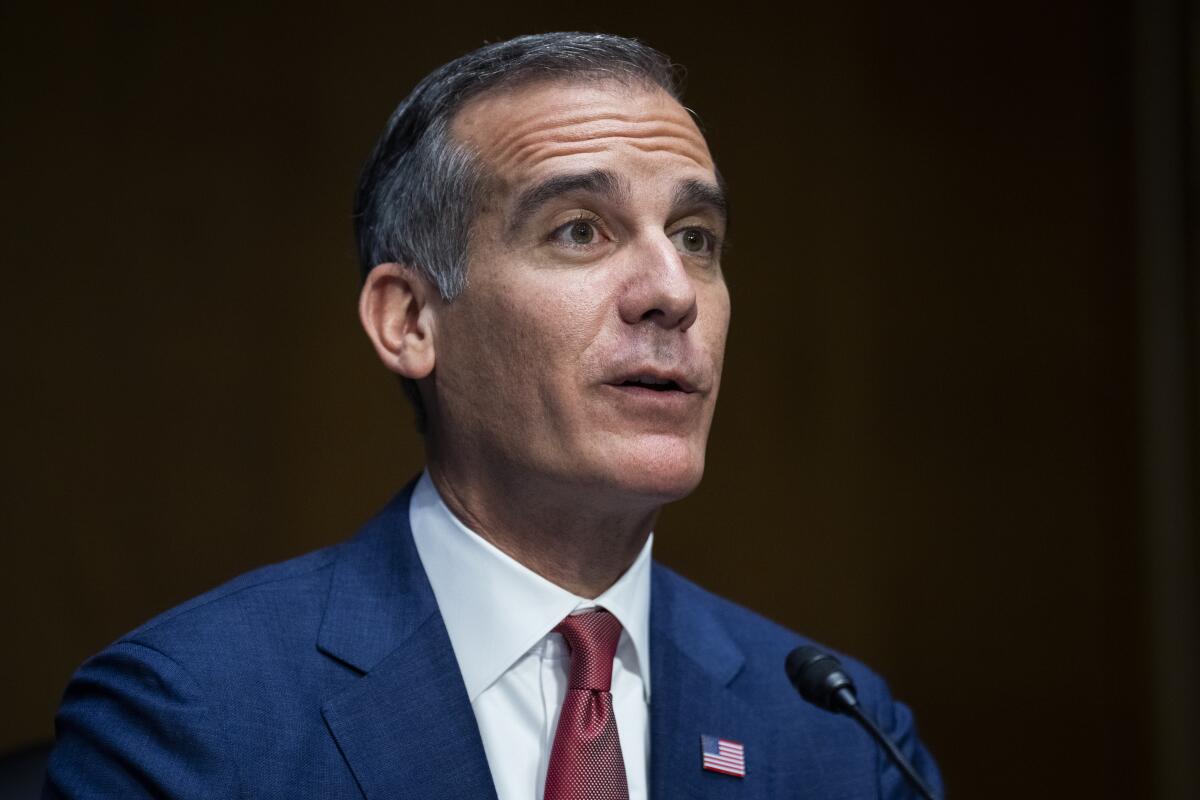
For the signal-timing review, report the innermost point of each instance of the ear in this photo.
(396, 308)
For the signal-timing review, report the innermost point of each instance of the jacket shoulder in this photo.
(293, 581)
(763, 642)
(194, 702)
(744, 625)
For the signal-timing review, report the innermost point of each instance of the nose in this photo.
(660, 289)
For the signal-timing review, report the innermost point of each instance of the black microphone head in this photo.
(820, 679)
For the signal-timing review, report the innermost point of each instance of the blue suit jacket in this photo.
(331, 676)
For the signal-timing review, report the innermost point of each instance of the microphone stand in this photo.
(820, 679)
(855, 710)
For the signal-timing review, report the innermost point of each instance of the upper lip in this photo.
(654, 375)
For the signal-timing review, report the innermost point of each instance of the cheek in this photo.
(517, 347)
(717, 327)
(543, 334)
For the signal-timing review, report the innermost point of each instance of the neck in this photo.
(584, 548)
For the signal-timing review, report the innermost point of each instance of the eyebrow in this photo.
(597, 181)
(689, 194)
(698, 194)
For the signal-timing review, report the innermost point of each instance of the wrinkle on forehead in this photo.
(548, 121)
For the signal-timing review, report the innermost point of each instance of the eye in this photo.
(694, 241)
(579, 232)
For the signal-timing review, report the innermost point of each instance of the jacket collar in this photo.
(378, 595)
(407, 724)
(695, 668)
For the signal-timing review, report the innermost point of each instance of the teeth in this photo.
(654, 381)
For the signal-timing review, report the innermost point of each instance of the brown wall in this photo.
(925, 452)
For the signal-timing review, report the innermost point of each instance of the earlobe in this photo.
(396, 310)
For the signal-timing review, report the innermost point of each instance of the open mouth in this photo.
(653, 384)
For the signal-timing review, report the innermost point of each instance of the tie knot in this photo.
(592, 638)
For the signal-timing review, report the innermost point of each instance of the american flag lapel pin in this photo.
(722, 755)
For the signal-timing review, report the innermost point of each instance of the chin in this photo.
(659, 473)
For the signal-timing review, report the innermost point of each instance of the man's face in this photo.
(585, 353)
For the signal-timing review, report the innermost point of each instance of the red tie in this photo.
(586, 762)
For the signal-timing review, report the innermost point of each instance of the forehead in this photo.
(533, 129)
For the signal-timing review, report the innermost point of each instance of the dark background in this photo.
(957, 432)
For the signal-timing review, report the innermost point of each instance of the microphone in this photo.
(820, 679)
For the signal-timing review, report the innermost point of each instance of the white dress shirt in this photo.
(500, 616)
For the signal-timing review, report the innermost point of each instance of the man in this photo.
(540, 229)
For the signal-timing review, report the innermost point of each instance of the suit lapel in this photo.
(405, 727)
(694, 664)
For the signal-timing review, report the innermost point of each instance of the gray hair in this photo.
(421, 190)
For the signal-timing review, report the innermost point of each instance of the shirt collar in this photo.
(495, 608)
